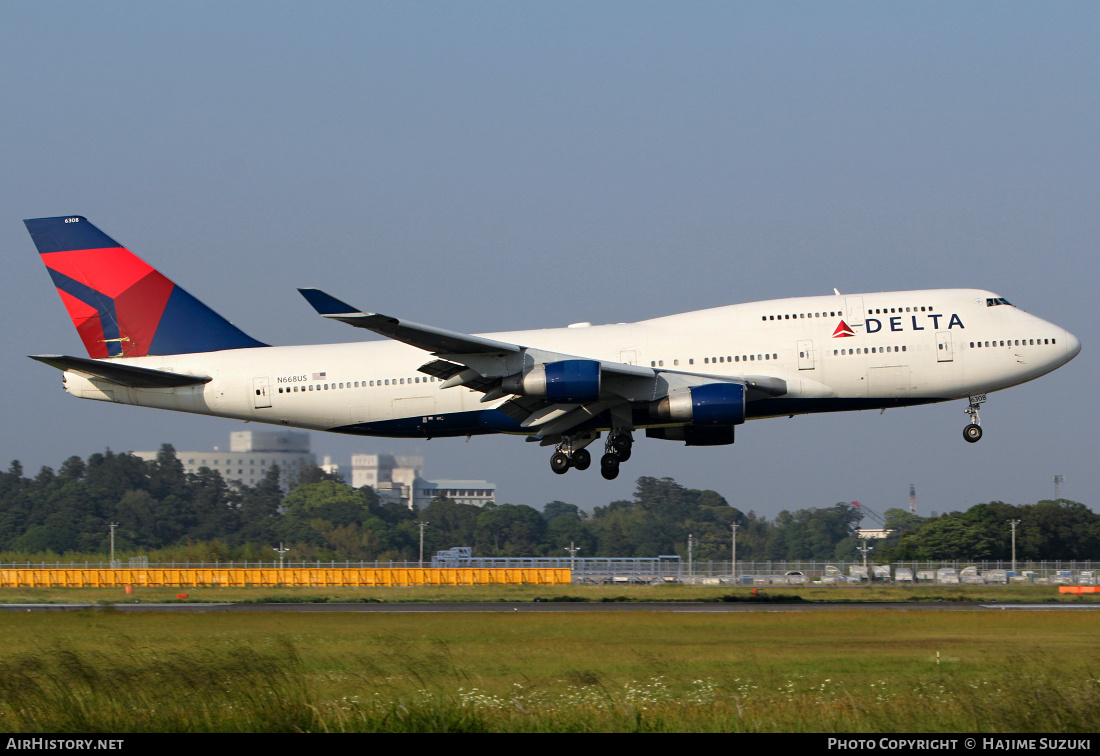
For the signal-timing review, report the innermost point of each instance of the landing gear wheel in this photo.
(972, 433)
(559, 463)
(582, 458)
(622, 446)
(609, 466)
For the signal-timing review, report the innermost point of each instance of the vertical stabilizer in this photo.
(120, 305)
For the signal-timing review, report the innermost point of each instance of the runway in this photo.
(549, 607)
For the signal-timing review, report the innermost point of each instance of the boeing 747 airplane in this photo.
(692, 377)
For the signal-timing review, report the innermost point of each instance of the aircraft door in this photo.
(806, 354)
(628, 357)
(853, 312)
(261, 393)
(943, 347)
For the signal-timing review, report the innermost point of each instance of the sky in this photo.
(489, 166)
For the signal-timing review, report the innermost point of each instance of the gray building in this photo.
(251, 454)
(395, 478)
(400, 479)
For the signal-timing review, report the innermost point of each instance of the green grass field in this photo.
(666, 592)
(836, 670)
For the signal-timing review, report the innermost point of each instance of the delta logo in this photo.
(874, 325)
(843, 330)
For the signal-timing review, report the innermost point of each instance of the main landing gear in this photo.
(973, 432)
(571, 453)
(616, 451)
(561, 461)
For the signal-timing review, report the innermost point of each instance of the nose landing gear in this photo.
(973, 432)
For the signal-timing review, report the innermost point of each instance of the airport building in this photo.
(395, 478)
(251, 454)
(400, 479)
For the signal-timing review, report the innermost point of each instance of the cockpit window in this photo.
(994, 301)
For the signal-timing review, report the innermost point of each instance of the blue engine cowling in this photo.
(708, 405)
(571, 381)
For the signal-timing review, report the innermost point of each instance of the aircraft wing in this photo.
(424, 337)
(123, 375)
(497, 369)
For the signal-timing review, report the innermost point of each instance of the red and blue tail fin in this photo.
(120, 305)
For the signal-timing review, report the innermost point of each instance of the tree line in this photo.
(167, 514)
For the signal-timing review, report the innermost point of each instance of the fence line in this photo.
(353, 577)
(701, 567)
(666, 568)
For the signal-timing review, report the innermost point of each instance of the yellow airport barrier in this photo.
(309, 577)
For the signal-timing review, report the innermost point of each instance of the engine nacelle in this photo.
(708, 405)
(693, 435)
(571, 381)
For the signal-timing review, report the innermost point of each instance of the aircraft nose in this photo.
(1073, 346)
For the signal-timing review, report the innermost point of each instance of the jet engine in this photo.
(571, 381)
(707, 405)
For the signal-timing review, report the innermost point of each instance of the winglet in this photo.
(326, 304)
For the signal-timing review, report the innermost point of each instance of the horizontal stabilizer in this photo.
(123, 375)
(428, 338)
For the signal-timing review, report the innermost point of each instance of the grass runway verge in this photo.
(504, 593)
(837, 670)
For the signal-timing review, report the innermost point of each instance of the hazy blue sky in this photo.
(489, 166)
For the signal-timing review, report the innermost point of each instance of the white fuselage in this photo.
(835, 353)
